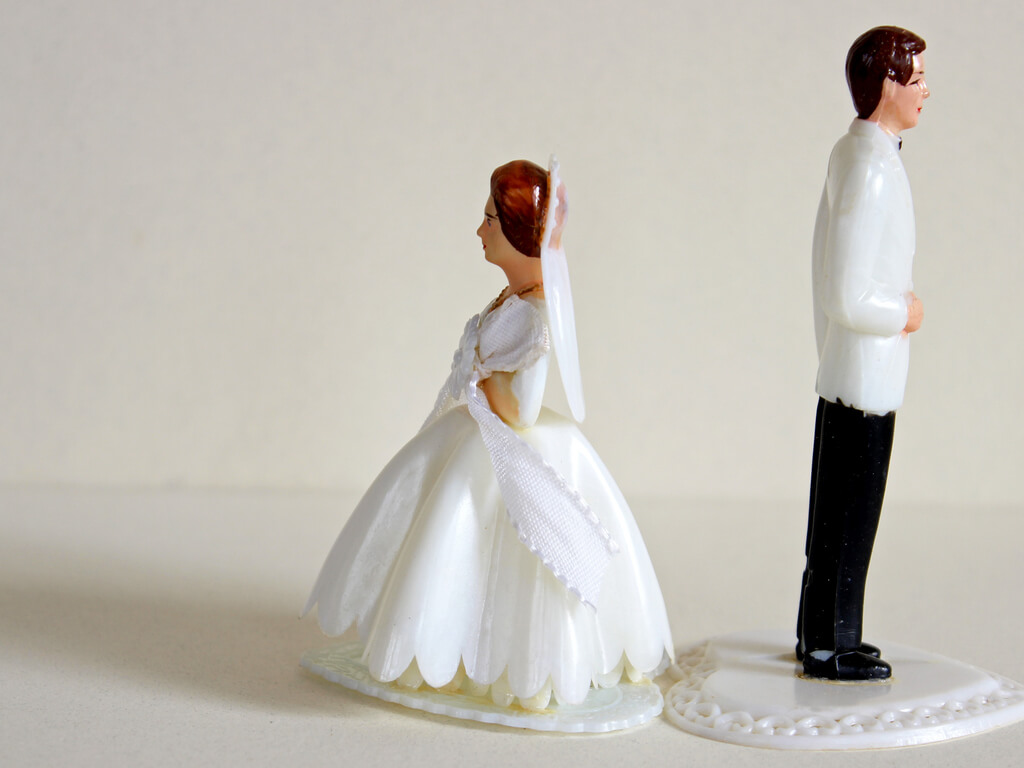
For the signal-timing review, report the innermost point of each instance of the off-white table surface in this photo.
(152, 628)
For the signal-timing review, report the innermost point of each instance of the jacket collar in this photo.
(871, 130)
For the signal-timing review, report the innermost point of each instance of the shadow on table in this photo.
(131, 623)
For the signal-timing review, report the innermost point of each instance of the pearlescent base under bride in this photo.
(746, 689)
(605, 709)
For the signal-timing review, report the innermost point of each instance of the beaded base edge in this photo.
(746, 689)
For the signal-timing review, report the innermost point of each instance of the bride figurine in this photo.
(494, 556)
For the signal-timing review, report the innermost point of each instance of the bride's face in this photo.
(497, 249)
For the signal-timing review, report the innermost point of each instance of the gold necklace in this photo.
(502, 295)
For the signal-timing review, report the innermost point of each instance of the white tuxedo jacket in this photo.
(862, 257)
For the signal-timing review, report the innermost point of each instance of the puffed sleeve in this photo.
(514, 339)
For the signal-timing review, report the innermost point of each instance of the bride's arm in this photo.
(516, 397)
(497, 389)
(518, 367)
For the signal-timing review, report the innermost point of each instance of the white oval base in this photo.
(745, 689)
(605, 709)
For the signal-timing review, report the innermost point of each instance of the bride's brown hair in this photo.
(520, 192)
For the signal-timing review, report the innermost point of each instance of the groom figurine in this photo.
(864, 312)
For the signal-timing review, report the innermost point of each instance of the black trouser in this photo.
(848, 473)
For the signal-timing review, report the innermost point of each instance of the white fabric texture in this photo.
(863, 253)
(431, 567)
(552, 519)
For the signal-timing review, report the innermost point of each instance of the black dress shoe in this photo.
(868, 648)
(846, 665)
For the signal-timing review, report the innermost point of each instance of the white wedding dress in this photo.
(432, 568)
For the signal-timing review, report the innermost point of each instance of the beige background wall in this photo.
(237, 239)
